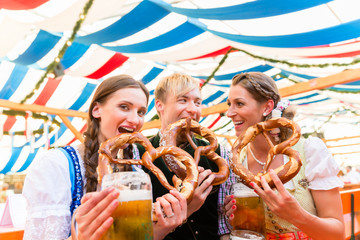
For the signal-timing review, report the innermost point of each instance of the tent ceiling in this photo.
(293, 42)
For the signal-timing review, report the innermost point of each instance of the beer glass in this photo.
(245, 235)
(132, 218)
(249, 214)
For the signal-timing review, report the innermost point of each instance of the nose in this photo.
(192, 108)
(133, 118)
(230, 112)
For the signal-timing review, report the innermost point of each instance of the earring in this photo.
(264, 114)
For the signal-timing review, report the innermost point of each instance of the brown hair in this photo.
(263, 88)
(91, 142)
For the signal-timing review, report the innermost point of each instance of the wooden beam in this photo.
(339, 139)
(42, 109)
(322, 82)
(346, 153)
(314, 84)
(68, 124)
(346, 145)
(152, 124)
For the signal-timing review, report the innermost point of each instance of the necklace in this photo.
(257, 160)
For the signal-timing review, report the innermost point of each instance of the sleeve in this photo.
(223, 191)
(47, 189)
(321, 168)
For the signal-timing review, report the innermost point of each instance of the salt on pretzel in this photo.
(285, 172)
(187, 185)
(187, 126)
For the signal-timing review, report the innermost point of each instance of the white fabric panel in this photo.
(291, 23)
(27, 85)
(200, 45)
(92, 60)
(67, 92)
(6, 69)
(15, 32)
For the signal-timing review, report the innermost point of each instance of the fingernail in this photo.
(232, 215)
(232, 196)
(255, 191)
(233, 201)
(115, 202)
(233, 207)
(252, 184)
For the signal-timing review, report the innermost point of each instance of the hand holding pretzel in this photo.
(187, 185)
(187, 126)
(285, 172)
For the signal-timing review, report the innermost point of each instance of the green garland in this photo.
(35, 116)
(21, 133)
(49, 70)
(272, 60)
(61, 53)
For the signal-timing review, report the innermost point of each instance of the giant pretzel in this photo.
(187, 185)
(285, 172)
(187, 126)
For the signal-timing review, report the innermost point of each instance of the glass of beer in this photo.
(132, 218)
(249, 214)
(245, 235)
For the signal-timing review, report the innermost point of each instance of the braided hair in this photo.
(91, 142)
(263, 88)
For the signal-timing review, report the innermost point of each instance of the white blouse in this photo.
(321, 168)
(47, 189)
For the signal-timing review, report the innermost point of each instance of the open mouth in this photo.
(238, 123)
(126, 130)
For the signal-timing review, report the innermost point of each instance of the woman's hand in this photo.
(281, 203)
(93, 216)
(202, 191)
(328, 224)
(170, 211)
(229, 207)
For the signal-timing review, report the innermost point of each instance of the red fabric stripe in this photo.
(9, 123)
(213, 54)
(114, 62)
(338, 55)
(21, 4)
(216, 120)
(48, 91)
(82, 130)
(42, 99)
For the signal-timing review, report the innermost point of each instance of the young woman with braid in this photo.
(118, 105)
(309, 205)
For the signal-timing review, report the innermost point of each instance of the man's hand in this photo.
(202, 191)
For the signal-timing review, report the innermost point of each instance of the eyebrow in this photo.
(132, 104)
(184, 96)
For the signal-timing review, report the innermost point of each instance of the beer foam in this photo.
(133, 195)
(243, 194)
(239, 190)
(247, 238)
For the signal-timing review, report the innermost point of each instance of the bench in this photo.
(346, 201)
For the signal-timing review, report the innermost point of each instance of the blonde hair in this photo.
(176, 84)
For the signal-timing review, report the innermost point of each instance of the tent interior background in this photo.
(54, 53)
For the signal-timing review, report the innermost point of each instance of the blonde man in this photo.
(178, 96)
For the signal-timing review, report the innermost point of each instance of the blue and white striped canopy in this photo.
(153, 38)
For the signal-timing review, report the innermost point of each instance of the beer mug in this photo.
(245, 234)
(132, 218)
(249, 214)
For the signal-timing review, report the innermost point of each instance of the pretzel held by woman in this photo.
(186, 126)
(285, 172)
(187, 185)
